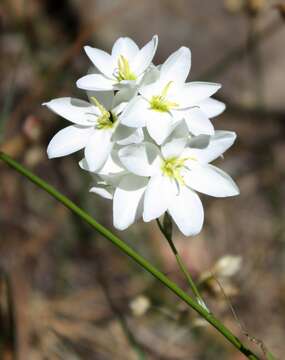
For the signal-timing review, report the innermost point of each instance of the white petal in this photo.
(175, 143)
(75, 110)
(159, 125)
(120, 85)
(158, 197)
(152, 89)
(95, 82)
(212, 107)
(195, 92)
(199, 142)
(102, 60)
(98, 149)
(144, 57)
(105, 192)
(112, 165)
(150, 76)
(197, 122)
(124, 95)
(135, 113)
(210, 180)
(68, 141)
(140, 159)
(106, 98)
(125, 135)
(83, 165)
(218, 144)
(126, 47)
(128, 201)
(119, 108)
(111, 172)
(187, 211)
(177, 66)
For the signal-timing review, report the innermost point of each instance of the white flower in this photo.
(108, 177)
(95, 128)
(146, 134)
(112, 175)
(169, 99)
(125, 66)
(167, 180)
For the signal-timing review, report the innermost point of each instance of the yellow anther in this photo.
(172, 168)
(107, 119)
(125, 72)
(160, 102)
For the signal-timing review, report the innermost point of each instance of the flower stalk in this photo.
(224, 331)
(166, 230)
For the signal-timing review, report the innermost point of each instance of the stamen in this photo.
(107, 119)
(160, 102)
(102, 109)
(172, 168)
(124, 71)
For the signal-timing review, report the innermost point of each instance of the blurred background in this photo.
(65, 292)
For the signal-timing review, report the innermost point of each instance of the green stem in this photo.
(181, 265)
(132, 254)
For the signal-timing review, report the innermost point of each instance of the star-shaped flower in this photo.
(167, 179)
(126, 65)
(169, 99)
(96, 128)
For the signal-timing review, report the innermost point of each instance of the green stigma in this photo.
(107, 119)
(172, 167)
(124, 72)
(160, 102)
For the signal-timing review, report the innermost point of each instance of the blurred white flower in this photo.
(227, 265)
(140, 305)
(125, 66)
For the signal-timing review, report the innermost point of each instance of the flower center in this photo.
(160, 102)
(107, 119)
(124, 70)
(172, 167)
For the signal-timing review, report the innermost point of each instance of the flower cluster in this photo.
(147, 135)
